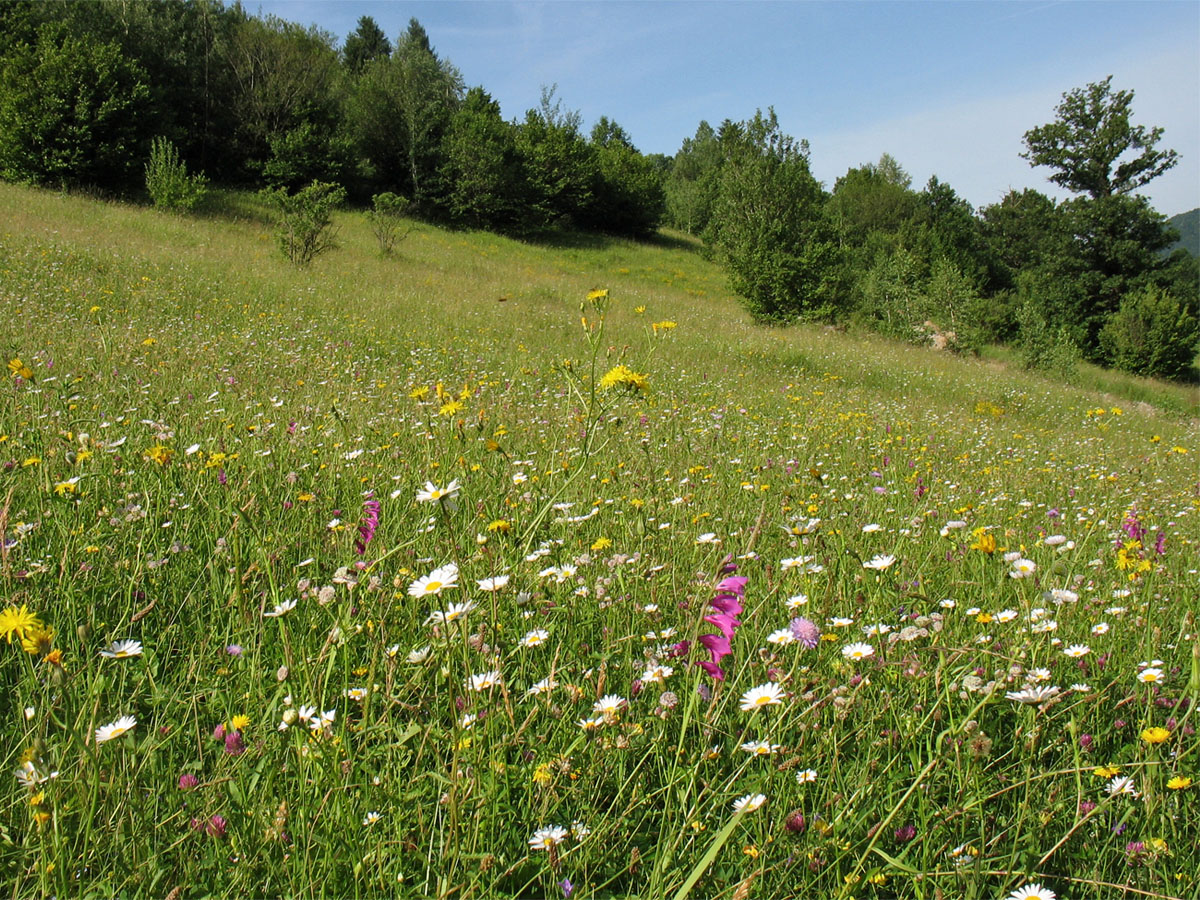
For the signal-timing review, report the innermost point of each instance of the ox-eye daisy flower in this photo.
(494, 583)
(749, 803)
(281, 609)
(880, 562)
(769, 694)
(535, 638)
(548, 837)
(122, 650)
(857, 651)
(115, 729)
(1032, 892)
(609, 705)
(434, 494)
(484, 681)
(440, 579)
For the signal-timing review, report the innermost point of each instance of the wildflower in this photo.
(657, 674)
(1122, 784)
(857, 651)
(1061, 595)
(1179, 782)
(484, 681)
(281, 609)
(1032, 695)
(1076, 651)
(610, 705)
(623, 376)
(368, 523)
(493, 584)
(1151, 675)
(16, 622)
(122, 650)
(535, 638)
(440, 579)
(1022, 568)
(453, 612)
(1156, 735)
(880, 562)
(188, 781)
(159, 454)
(37, 640)
(781, 637)
(806, 776)
(18, 369)
(984, 542)
(419, 655)
(371, 818)
(805, 632)
(749, 803)
(1106, 771)
(1100, 628)
(769, 694)
(545, 686)
(547, 838)
(115, 729)
(1032, 892)
(760, 748)
(434, 494)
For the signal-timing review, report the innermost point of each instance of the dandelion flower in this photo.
(1179, 782)
(15, 621)
(547, 838)
(857, 651)
(115, 729)
(122, 650)
(1156, 735)
(769, 694)
(749, 803)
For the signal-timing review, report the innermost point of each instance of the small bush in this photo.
(305, 225)
(1152, 334)
(1043, 347)
(167, 180)
(386, 218)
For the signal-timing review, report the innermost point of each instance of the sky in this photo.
(947, 88)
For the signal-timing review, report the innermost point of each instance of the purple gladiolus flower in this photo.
(368, 523)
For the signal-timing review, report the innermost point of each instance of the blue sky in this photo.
(948, 88)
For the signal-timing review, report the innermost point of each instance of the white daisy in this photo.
(122, 650)
(880, 562)
(857, 651)
(550, 836)
(494, 583)
(769, 694)
(434, 494)
(115, 729)
(749, 803)
(440, 579)
(281, 609)
(484, 681)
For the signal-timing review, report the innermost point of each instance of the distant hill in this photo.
(1188, 226)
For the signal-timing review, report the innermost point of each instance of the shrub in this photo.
(167, 179)
(385, 218)
(305, 226)
(1043, 347)
(1152, 333)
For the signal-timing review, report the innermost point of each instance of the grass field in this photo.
(394, 577)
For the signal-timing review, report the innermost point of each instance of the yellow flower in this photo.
(665, 325)
(69, 486)
(18, 622)
(984, 542)
(1106, 771)
(500, 525)
(305, 497)
(159, 454)
(1156, 735)
(597, 294)
(149, 342)
(639, 309)
(449, 409)
(419, 393)
(1179, 782)
(31, 461)
(37, 639)
(601, 543)
(623, 376)
(19, 369)
(237, 723)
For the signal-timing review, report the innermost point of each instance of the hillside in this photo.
(499, 569)
(1188, 226)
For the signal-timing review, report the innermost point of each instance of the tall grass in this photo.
(419, 577)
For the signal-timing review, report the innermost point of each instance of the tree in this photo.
(73, 111)
(768, 227)
(366, 43)
(691, 185)
(482, 176)
(627, 189)
(1093, 146)
(559, 166)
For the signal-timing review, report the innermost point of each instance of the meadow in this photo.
(500, 569)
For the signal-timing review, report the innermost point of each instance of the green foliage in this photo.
(1153, 334)
(305, 154)
(1044, 347)
(627, 190)
(1090, 141)
(386, 217)
(768, 227)
(482, 174)
(167, 180)
(363, 45)
(1187, 226)
(559, 167)
(304, 228)
(72, 112)
(691, 187)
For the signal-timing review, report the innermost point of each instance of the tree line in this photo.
(89, 90)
